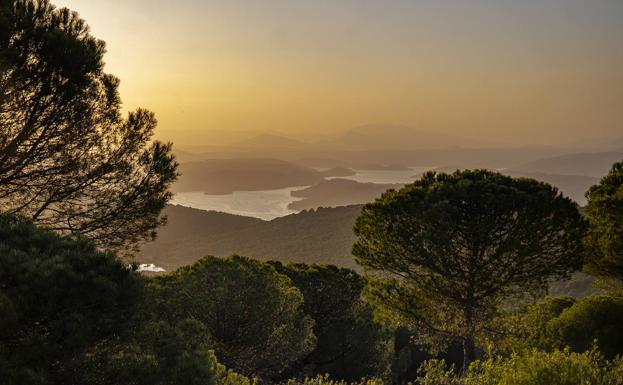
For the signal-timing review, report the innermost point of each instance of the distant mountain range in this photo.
(397, 138)
(595, 164)
(364, 138)
(572, 186)
(393, 144)
(573, 174)
(270, 141)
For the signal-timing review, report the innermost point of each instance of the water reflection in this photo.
(267, 204)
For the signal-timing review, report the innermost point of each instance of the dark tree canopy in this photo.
(68, 159)
(605, 236)
(253, 315)
(70, 314)
(350, 344)
(57, 297)
(158, 353)
(450, 248)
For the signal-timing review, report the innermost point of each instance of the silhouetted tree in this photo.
(68, 160)
(450, 248)
(253, 315)
(605, 236)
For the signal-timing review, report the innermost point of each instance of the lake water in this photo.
(271, 204)
(267, 205)
(387, 176)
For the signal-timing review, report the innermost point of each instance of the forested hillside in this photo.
(323, 235)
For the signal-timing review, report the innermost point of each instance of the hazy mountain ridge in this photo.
(397, 137)
(223, 176)
(595, 164)
(270, 141)
(467, 157)
(386, 144)
(572, 186)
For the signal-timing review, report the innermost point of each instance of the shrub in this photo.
(531, 368)
(597, 319)
(526, 328)
(326, 380)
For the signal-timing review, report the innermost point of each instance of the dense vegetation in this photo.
(322, 236)
(457, 266)
(605, 238)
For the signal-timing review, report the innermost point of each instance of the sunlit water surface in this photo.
(271, 204)
(386, 176)
(267, 204)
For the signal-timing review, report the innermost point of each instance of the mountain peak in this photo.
(268, 141)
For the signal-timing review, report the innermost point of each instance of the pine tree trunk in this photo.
(469, 353)
(469, 345)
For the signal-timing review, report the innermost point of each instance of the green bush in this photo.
(531, 368)
(326, 380)
(597, 319)
(527, 328)
(224, 376)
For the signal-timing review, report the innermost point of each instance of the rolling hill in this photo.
(316, 236)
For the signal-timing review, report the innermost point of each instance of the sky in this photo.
(514, 72)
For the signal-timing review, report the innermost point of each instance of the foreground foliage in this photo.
(326, 380)
(593, 320)
(350, 344)
(58, 296)
(253, 315)
(531, 368)
(159, 353)
(563, 322)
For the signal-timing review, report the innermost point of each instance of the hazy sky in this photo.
(529, 71)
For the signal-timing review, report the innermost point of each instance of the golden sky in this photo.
(517, 72)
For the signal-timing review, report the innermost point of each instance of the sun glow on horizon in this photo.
(540, 72)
